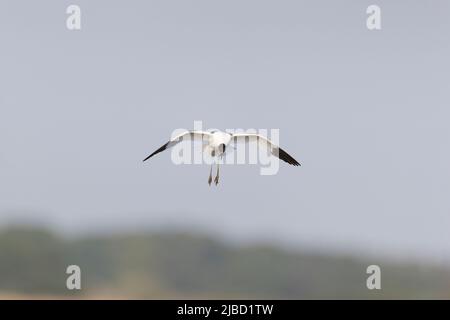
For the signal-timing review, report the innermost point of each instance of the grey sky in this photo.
(366, 113)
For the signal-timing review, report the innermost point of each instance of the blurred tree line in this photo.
(176, 265)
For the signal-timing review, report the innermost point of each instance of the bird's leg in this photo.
(210, 176)
(216, 180)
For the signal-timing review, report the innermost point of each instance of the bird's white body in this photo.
(218, 137)
(218, 141)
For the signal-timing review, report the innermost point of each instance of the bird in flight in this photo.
(218, 141)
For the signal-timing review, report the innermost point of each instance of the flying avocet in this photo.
(218, 141)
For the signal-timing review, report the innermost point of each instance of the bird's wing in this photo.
(192, 135)
(263, 141)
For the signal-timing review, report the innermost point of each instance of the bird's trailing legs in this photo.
(216, 179)
(210, 176)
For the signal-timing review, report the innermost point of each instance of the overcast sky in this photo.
(365, 112)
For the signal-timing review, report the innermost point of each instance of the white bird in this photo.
(217, 142)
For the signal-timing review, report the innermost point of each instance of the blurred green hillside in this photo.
(173, 265)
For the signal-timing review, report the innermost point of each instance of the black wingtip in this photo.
(157, 151)
(283, 155)
(149, 157)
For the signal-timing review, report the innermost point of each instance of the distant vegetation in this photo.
(33, 262)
